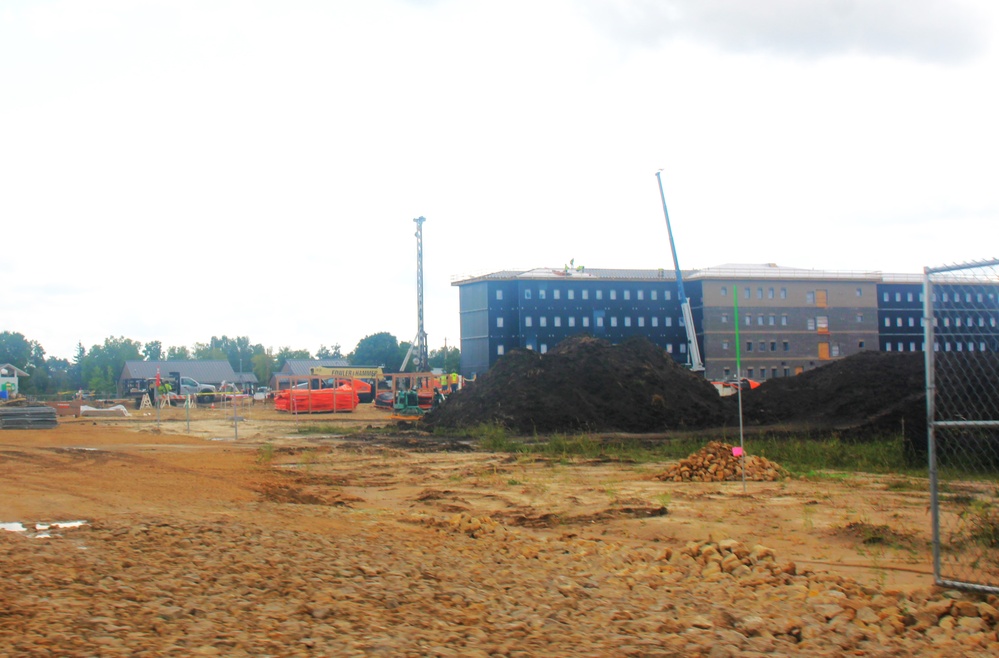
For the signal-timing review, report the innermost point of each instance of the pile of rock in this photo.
(716, 462)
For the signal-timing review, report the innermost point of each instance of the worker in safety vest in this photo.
(454, 381)
(442, 381)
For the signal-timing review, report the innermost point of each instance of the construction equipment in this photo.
(693, 351)
(419, 345)
(365, 380)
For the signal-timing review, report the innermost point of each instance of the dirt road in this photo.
(194, 542)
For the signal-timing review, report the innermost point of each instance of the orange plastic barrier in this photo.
(324, 400)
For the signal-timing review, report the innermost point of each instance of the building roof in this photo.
(205, 372)
(300, 367)
(726, 271)
(12, 370)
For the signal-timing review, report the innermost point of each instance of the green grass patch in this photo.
(329, 428)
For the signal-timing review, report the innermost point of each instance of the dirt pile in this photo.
(867, 393)
(716, 463)
(585, 384)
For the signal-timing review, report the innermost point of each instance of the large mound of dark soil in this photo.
(585, 384)
(869, 393)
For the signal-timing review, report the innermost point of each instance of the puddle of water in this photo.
(39, 530)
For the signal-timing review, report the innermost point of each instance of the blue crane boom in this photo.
(693, 351)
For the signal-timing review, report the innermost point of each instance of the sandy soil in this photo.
(172, 475)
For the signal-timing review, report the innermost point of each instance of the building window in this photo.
(822, 324)
(748, 294)
(912, 322)
(586, 294)
(773, 346)
(772, 320)
(556, 294)
(653, 295)
(542, 293)
(572, 320)
(749, 320)
(860, 344)
(641, 294)
(783, 320)
(613, 294)
(627, 320)
(898, 297)
(749, 346)
(749, 373)
(558, 320)
(763, 346)
(681, 322)
(759, 293)
(885, 297)
(499, 295)
(908, 296)
(571, 294)
(759, 320)
(725, 345)
(655, 321)
(668, 321)
(667, 295)
(787, 346)
(627, 295)
(544, 321)
(527, 293)
(724, 291)
(600, 320)
(912, 346)
(499, 323)
(499, 350)
(860, 317)
(887, 322)
(783, 293)
(724, 318)
(887, 347)
(811, 324)
(600, 294)
(641, 321)
(860, 292)
(527, 321)
(544, 348)
(613, 320)
(834, 350)
(810, 297)
(770, 293)
(669, 348)
(683, 348)
(586, 321)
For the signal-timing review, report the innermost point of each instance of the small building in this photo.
(8, 380)
(203, 372)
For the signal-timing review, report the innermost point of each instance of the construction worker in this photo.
(442, 381)
(438, 398)
(454, 381)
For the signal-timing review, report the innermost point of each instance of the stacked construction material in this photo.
(27, 418)
(717, 463)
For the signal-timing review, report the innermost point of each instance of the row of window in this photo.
(811, 296)
(598, 294)
(598, 321)
(944, 296)
(946, 346)
(947, 321)
(543, 348)
(751, 372)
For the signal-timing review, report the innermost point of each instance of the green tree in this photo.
(329, 352)
(15, 349)
(102, 365)
(208, 352)
(264, 365)
(447, 359)
(286, 354)
(178, 353)
(153, 351)
(381, 349)
(60, 374)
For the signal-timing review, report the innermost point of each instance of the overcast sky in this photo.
(174, 170)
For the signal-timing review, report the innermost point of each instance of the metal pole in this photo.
(738, 379)
(929, 338)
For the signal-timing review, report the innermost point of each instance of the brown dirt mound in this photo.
(716, 463)
(585, 384)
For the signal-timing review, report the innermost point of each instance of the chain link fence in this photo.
(961, 332)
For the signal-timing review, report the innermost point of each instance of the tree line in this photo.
(97, 369)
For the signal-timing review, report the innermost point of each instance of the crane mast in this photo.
(419, 344)
(693, 351)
